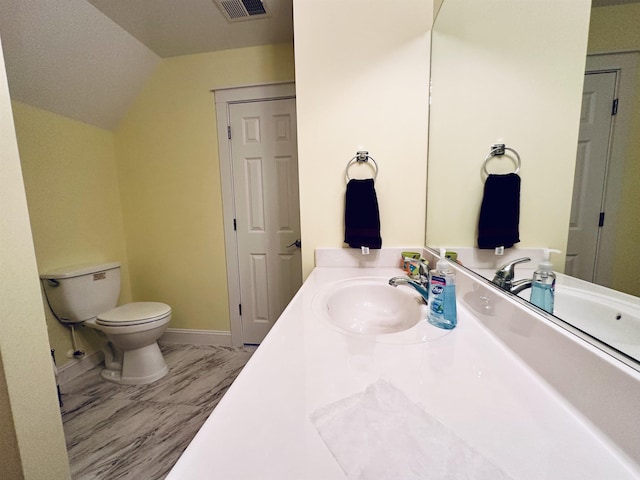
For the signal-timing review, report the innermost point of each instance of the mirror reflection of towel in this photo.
(500, 212)
(361, 215)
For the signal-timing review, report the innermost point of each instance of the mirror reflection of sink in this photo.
(370, 308)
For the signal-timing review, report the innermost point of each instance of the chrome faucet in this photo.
(505, 274)
(420, 284)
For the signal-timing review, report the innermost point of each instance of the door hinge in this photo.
(229, 132)
(235, 225)
(614, 107)
(240, 309)
(601, 220)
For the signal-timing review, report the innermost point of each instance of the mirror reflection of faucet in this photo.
(504, 277)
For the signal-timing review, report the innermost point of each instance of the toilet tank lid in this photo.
(78, 270)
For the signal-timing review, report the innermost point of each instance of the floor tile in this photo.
(139, 431)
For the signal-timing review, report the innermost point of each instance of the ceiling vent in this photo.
(240, 10)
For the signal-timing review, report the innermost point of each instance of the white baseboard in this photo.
(78, 366)
(196, 337)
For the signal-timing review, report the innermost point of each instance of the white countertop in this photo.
(468, 382)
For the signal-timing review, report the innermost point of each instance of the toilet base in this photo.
(140, 366)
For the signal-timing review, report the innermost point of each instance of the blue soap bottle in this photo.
(442, 295)
(543, 284)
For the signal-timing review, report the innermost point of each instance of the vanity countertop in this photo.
(466, 387)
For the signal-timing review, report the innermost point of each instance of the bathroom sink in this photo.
(369, 308)
(372, 307)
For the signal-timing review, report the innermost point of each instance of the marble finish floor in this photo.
(139, 431)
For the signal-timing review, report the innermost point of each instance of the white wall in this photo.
(362, 75)
(505, 71)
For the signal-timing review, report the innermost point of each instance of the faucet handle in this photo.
(507, 271)
(423, 268)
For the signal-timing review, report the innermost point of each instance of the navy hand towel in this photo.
(361, 215)
(500, 212)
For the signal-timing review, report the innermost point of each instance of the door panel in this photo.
(590, 174)
(265, 175)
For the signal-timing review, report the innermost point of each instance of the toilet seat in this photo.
(136, 313)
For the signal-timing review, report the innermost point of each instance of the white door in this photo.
(267, 210)
(587, 215)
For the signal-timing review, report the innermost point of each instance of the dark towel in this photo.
(500, 212)
(361, 215)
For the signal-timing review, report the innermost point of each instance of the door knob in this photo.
(297, 243)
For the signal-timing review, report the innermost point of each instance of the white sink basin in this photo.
(368, 307)
(373, 308)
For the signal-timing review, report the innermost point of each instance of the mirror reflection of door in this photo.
(588, 217)
(266, 197)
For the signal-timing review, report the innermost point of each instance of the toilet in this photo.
(88, 294)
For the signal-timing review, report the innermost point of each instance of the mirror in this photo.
(495, 79)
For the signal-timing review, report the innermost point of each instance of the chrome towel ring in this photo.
(498, 150)
(362, 157)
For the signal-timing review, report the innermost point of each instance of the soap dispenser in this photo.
(442, 295)
(543, 284)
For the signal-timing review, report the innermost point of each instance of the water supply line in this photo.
(77, 353)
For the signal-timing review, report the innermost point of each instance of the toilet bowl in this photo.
(131, 352)
(88, 295)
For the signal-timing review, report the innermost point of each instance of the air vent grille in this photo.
(237, 10)
(254, 7)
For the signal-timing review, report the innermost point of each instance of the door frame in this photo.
(223, 98)
(625, 64)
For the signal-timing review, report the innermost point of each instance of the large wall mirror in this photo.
(514, 73)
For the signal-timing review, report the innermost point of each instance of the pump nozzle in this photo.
(546, 255)
(442, 264)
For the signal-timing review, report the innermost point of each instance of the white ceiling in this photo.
(88, 59)
(181, 27)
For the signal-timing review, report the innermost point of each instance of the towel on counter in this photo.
(361, 215)
(500, 212)
(380, 434)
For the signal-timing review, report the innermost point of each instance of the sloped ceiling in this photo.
(179, 27)
(88, 60)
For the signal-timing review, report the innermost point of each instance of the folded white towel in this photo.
(382, 435)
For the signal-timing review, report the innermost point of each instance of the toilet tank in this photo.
(81, 292)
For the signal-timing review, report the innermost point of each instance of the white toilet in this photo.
(88, 295)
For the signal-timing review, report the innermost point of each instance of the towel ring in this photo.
(362, 157)
(497, 151)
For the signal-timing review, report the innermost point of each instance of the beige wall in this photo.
(72, 189)
(617, 29)
(164, 180)
(169, 183)
(32, 438)
(169, 176)
(362, 77)
(505, 72)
